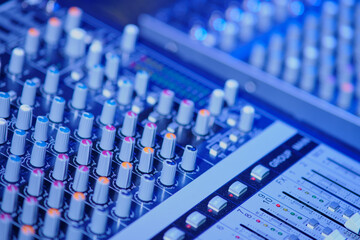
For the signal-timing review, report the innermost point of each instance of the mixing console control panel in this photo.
(103, 136)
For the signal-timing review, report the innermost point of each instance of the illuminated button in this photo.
(202, 122)
(313, 223)
(53, 31)
(335, 235)
(168, 146)
(217, 204)
(174, 234)
(347, 214)
(237, 189)
(32, 41)
(353, 223)
(77, 204)
(333, 206)
(51, 223)
(259, 172)
(124, 175)
(195, 219)
(27, 232)
(73, 18)
(326, 231)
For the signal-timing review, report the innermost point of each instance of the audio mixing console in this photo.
(104, 136)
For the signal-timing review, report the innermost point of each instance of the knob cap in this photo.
(95, 76)
(168, 146)
(123, 204)
(51, 223)
(202, 122)
(16, 62)
(186, 112)
(112, 65)
(75, 44)
(12, 170)
(146, 188)
(216, 102)
(104, 164)
(56, 195)
(127, 149)
(141, 83)
(5, 225)
(61, 167)
(246, 118)
(51, 80)
(81, 179)
(28, 93)
(53, 31)
(79, 96)
(84, 152)
(108, 137)
(165, 102)
(4, 105)
(99, 221)
(188, 161)
(125, 92)
(62, 140)
(77, 205)
(108, 112)
(24, 117)
(129, 125)
(32, 41)
(94, 55)
(146, 160)
(18, 142)
(3, 130)
(57, 109)
(10, 198)
(231, 90)
(38, 154)
(168, 172)
(86, 125)
(36, 180)
(30, 210)
(149, 133)
(73, 18)
(101, 190)
(129, 38)
(26, 232)
(41, 128)
(124, 175)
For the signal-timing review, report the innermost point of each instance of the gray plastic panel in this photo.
(296, 102)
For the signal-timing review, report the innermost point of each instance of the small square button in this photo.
(174, 234)
(195, 219)
(347, 214)
(259, 172)
(312, 223)
(217, 204)
(333, 206)
(237, 189)
(326, 231)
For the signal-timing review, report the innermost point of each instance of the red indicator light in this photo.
(299, 188)
(278, 205)
(210, 210)
(188, 226)
(231, 195)
(252, 178)
(237, 237)
(257, 220)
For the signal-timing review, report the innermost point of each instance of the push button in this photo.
(174, 234)
(195, 219)
(259, 172)
(217, 204)
(237, 189)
